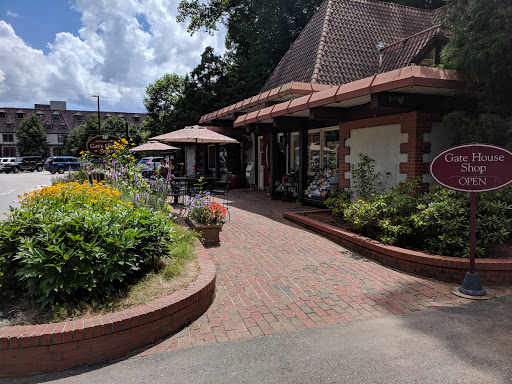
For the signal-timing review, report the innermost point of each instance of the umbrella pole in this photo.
(197, 158)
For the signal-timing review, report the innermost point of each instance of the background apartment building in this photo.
(57, 121)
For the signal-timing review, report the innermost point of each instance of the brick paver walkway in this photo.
(274, 276)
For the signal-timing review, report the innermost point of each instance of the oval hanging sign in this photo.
(97, 144)
(473, 167)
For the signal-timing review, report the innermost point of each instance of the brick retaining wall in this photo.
(444, 268)
(36, 349)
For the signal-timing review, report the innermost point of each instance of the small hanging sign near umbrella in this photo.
(473, 168)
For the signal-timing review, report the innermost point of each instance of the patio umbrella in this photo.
(194, 134)
(153, 146)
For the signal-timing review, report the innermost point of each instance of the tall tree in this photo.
(31, 137)
(160, 100)
(76, 140)
(116, 126)
(259, 34)
(480, 46)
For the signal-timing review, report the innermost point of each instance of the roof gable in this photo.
(338, 45)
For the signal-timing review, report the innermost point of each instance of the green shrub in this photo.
(444, 216)
(386, 216)
(338, 201)
(437, 221)
(366, 180)
(60, 246)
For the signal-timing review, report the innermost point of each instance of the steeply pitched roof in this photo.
(409, 50)
(338, 45)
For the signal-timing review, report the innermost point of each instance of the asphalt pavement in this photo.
(463, 344)
(14, 184)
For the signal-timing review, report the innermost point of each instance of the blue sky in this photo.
(37, 22)
(72, 49)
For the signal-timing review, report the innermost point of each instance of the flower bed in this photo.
(444, 268)
(31, 350)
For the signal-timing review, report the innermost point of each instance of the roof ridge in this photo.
(321, 43)
(438, 26)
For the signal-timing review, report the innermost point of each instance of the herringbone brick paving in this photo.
(274, 276)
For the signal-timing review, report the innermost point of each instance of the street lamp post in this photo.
(99, 121)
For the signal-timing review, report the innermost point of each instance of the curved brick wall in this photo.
(36, 349)
(444, 268)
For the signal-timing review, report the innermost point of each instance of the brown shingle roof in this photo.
(407, 51)
(338, 45)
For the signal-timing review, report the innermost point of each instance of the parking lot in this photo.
(14, 184)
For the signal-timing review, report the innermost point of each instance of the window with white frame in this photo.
(294, 151)
(323, 149)
(8, 137)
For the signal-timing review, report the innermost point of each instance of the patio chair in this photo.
(179, 192)
(222, 189)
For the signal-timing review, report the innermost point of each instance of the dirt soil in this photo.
(496, 251)
(20, 312)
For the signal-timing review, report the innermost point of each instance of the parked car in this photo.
(62, 164)
(24, 163)
(148, 165)
(4, 161)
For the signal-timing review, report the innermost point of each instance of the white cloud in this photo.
(121, 47)
(12, 14)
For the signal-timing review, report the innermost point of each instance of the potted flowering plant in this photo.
(205, 216)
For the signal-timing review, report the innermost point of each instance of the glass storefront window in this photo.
(295, 152)
(314, 152)
(331, 149)
(323, 150)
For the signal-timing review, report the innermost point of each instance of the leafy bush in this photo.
(79, 240)
(365, 178)
(338, 201)
(437, 221)
(386, 216)
(444, 216)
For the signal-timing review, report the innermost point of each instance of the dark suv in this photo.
(25, 163)
(62, 164)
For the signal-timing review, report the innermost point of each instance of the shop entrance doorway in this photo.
(263, 162)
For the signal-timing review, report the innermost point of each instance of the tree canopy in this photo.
(31, 137)
(77, 139)
(479, 45)
(161, 98)
(258, 35)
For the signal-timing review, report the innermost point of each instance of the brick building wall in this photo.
(57, 123)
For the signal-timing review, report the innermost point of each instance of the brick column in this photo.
(344, 151)
(416, 124)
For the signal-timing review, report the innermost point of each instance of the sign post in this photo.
(473, 168)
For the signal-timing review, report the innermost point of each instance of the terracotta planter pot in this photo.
(209, 232)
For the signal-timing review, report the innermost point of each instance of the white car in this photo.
(148, 165)
(5, 161)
